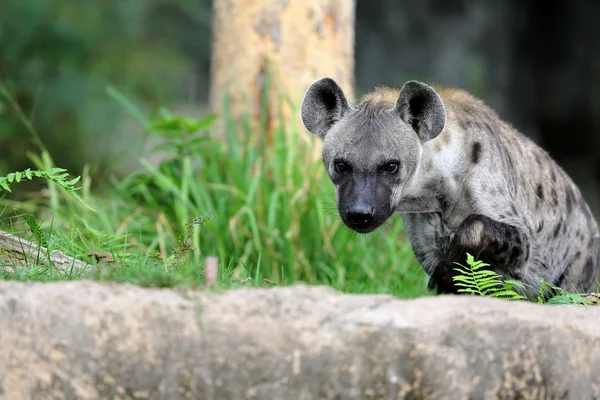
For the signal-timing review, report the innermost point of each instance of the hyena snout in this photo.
(360, 214)
(364, 209)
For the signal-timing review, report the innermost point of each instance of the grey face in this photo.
(372, 149)
(368, 155)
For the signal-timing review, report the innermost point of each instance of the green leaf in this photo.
(4, 185)
(197, 141)
(486, 273)
(483, 285)
(205, 123)
(465, 279)
(470, 259)
(511, 283)
(35, 229)
(73, 181)
(568, 298)
(509, 294)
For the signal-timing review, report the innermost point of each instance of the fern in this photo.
(57, 175)
(551, 294)
(477, 280)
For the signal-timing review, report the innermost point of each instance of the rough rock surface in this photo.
(84, 340)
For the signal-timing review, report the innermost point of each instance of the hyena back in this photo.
(463, 180)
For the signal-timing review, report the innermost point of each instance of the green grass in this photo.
(266, 212)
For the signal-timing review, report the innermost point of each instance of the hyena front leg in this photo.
(503, 246)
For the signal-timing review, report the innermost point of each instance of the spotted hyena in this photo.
(463, 180)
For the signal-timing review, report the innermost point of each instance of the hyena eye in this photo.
(392, 167)
(341, 166)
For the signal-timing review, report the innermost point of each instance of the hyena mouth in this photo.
(364, 229)
(358, 227)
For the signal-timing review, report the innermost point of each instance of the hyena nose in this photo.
(360, 214)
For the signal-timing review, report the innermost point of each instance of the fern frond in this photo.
(554, 295)
(568, 298)
(476, 279)
(57, 175)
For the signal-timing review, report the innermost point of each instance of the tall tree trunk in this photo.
(293, 41)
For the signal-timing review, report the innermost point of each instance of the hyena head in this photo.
(370, 150)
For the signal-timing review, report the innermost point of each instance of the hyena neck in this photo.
(434, 183)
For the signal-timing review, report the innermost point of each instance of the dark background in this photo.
(537, 63)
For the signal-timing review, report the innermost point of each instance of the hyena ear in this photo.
(324, 104)
(420, 106)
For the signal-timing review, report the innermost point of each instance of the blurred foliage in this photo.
(58, 56)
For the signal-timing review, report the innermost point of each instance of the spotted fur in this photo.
(467, 182)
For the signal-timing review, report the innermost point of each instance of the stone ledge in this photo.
(85, 340)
